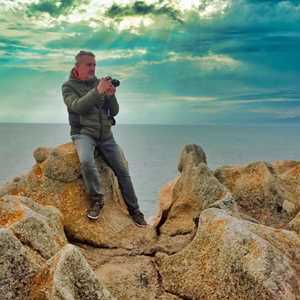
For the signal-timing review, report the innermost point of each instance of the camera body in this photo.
(114, 82)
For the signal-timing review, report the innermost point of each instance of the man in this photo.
(92, 104)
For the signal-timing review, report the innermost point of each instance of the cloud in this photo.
(54, 8)
(234, 57)
(141, 8)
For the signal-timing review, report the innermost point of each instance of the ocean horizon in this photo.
(153, 151)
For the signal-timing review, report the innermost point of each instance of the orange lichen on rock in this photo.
(9, 217)
(254, 249)
(37, 170)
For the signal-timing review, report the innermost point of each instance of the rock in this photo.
(168, 296)
(29, 235)
(281, 166)
(67, 275)
(38, 227)
(191, 154)
(290, 181)
(295, 224)
(230, 258)
(62, 164)
(17, 266)
(130, 277)
(184, 198)
(258, 191)
(289, 207)
(41, 154)
(206, 241)
(56, 182)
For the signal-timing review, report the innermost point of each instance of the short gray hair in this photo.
(82, 53)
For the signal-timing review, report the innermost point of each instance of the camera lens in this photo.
(115, 82)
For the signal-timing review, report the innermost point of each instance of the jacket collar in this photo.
(73, 76)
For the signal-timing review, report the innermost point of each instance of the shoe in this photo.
(95, 208)
(138, 218)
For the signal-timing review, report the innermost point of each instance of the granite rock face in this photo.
(67, 275)
(29, 235)
(230, 258)
(55, 180)
(36, 261)
(34, 225)
(231, 233)
(268, 192)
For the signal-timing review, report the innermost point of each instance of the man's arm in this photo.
(82, 105)
(113, 105)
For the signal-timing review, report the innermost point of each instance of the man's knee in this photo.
(122, 171)
(87, 164)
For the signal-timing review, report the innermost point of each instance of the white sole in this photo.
(140, 225)
(92, 218)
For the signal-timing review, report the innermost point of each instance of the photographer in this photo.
(92, 105)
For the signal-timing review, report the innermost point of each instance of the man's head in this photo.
(85, 65)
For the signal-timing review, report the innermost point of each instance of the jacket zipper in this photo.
(101, 127)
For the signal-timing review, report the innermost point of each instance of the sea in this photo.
(153, 151)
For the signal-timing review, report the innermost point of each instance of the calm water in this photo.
(153, 150)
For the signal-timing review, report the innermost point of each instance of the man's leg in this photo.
(85, 146)
(112, 154)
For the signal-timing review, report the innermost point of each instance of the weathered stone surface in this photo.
(230, 258)
(67, 275)
(56, 182)
(191, 154)
(130, 277)
(38, 227)
(295, 224)
(204, 243)
(40, 154)
(168, 296)
(17, 266)
(62, 165)
(290, 182)
(258, 191)
(30, 234)
(126, 276)
(195, 189)
(281, 166)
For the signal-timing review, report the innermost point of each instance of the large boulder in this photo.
(67, 275)
(182, 200)
(230, 258)
(36, 226)
(29, 235)
(260, 191)
(17, 265)
(36, 261)
(55, 180)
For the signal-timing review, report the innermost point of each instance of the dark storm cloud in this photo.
(54, 8)
(140, 8)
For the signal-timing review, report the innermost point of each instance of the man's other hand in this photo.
(104, 86)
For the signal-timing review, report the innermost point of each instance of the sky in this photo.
(179, 61)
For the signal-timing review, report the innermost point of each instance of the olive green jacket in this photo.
(89, 111)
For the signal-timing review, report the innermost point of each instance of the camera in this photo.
(114, 82)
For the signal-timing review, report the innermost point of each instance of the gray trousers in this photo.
(112, 155)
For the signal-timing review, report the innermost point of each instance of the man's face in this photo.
(86, 67)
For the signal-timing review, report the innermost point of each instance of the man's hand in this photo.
(104, 86)
(111, 91)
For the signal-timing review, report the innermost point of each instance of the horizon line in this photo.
(164, 124)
